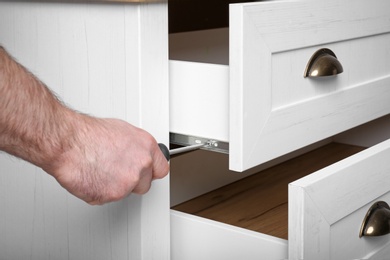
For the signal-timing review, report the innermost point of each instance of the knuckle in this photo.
(116, 196)
(134, 179)
(142, 189)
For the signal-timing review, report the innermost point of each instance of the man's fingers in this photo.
(144, 183)
(160, 165)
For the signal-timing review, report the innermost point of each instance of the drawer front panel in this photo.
(198, 238)
(365, 60)
(326, 208)
(275, 110)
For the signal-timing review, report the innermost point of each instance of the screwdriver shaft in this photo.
(186, 149)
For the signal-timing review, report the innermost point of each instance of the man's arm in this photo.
(97, 160)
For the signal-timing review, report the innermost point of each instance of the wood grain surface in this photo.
(260, 202)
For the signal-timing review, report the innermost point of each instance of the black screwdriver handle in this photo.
(165, 151)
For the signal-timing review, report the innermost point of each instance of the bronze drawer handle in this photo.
(323, 63)
(377, 220)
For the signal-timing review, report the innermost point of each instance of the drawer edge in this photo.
(194, 237)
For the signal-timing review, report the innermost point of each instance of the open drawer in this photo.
(245, 85)
(323, 211)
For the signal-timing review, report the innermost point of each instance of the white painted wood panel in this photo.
(363, 60)
(273, 109)
(101, 59)
(326, 208)
(199, 238)
(199, 99)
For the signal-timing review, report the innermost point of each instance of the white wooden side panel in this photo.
(199, 83)
(326, 208)
(101, 59)
(273, 109)
(153, 112)
(196, 238)
(199, 99)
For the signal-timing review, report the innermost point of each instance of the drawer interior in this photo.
(260, 202)
(206, 46)
(194, 15)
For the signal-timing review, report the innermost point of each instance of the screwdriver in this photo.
(167, 153)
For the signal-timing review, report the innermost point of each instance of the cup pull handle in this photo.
(323, 63)
(377, 220)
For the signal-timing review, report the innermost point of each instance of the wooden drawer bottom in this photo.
(260, 202)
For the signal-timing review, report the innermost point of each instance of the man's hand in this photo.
(97, 160)
(107, 160)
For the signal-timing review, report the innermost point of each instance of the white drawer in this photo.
(325, 209)
(260, 102)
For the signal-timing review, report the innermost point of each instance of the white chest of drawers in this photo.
(273, 110)
(266, 109)
(270, 102)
